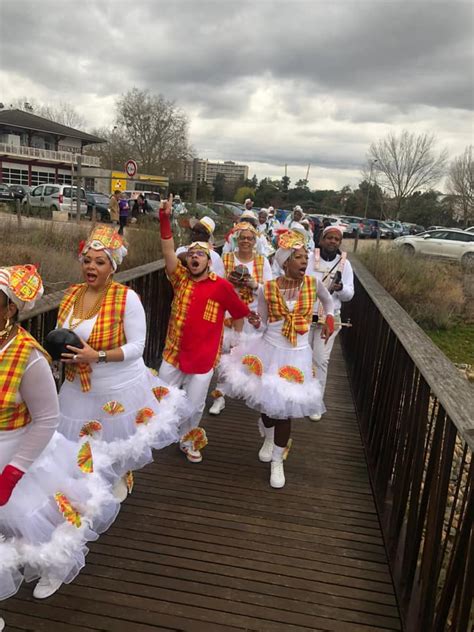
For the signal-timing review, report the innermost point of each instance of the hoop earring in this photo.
(6, 331)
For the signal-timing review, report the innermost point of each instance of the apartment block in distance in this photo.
(207, 171)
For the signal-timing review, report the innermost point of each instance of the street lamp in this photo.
(372, 163)
(111, 149)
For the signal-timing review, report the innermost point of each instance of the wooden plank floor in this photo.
(210, 546)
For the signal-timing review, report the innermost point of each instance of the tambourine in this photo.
(57, 339)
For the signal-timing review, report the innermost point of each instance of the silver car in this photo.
(448, 243)
(56, 197)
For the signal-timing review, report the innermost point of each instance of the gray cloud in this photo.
(262, 81)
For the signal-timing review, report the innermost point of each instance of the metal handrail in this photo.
(416, 417)
(49, 154)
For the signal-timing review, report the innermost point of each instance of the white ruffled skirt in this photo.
(272, 380)
(60, 504)
(123, 423)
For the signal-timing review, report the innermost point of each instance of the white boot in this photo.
(120, 489)
(46, 587)
(315, 417)
(218, 406)
(2, 624)
(266, 451)
(277, 476)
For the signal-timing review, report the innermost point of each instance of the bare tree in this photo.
(406, 163)
(461, 184)
(61, 112)
(154, 128)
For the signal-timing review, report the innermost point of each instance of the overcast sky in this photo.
(263, 82)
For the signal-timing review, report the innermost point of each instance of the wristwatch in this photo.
(102, 356)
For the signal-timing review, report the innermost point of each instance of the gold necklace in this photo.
(78, 307)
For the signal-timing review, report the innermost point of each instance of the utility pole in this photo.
(307, 173)
(195, 181)
(372, 163)
(78, 189)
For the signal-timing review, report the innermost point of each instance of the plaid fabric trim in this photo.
(297, 321)
(183, 289)
(211, 311)
(13, 363)
(108, 331)
(245, 293)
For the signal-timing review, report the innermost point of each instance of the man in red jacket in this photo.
(193, 340)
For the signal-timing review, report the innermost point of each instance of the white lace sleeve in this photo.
(325, 298)
(38, 392)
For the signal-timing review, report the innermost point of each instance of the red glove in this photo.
(8, 479)
(330, 324)
(165, 224)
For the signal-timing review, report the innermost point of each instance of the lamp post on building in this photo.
(372, 163)
(112, 150)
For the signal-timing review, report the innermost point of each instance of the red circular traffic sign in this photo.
(131, 168)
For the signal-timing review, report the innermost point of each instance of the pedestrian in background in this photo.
(124, 209)
(114, 207)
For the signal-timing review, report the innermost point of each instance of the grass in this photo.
(457, 343)
(53, 247)
(432, 293)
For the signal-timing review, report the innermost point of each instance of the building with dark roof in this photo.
(35, 150)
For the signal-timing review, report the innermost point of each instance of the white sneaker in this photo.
(277, 476)
(218, 406)
(193, 456)
(46, 586)
(2, 624)
(315, 417)
(120, 490)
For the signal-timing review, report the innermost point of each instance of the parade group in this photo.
(262, 318)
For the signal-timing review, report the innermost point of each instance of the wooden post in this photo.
(78, 190)
(377, 243)
(356, 241)
(18, 211)
(94, 215)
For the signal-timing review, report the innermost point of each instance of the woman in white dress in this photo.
(109, 396)
(247, 271)
(274, 374)
(53, 498)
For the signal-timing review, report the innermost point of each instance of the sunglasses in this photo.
(199, 253)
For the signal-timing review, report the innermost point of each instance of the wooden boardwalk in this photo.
(208, 547)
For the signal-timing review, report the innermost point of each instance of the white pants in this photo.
(321, 353)
(195, 385)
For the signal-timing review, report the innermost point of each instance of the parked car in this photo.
(413, 229)
(101, 203)
(353, 225)
(448, 243)
(5, 194)
(435, 228)
(386, 231)
(397, 227)
(19, 190)
(368, 228)
(469, 230)
(56, 197)
(226, 209)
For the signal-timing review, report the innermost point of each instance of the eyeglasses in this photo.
(246, 238)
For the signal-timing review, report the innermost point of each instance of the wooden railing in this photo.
(150, 283)
(416, 416)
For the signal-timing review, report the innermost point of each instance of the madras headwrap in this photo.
(298, 321)
(13, 414)
(105, 238)
(245, 293)
(108, 331)
(22, 285)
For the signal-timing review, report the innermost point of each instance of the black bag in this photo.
(57, 339)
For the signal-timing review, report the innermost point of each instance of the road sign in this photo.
(131, 168)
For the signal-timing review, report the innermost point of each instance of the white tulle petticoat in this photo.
(59, 505)
(125, 423)
(272, 380)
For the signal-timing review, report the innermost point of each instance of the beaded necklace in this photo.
(78, 316)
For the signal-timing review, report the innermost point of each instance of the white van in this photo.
(56, 197)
